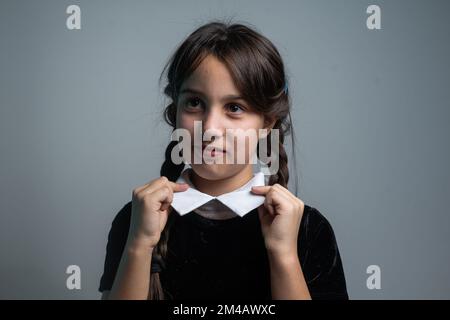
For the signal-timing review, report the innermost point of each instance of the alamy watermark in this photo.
(237, 147)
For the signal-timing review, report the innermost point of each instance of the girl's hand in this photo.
(280, 217)
(150, 210)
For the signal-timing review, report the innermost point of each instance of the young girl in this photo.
(232, 235)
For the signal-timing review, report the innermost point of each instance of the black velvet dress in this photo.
(226, 259)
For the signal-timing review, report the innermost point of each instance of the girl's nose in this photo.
(213, 121)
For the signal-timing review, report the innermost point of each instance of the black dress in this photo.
(226, 259)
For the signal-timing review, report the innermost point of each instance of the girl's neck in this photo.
(217, 187)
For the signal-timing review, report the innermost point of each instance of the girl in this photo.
(227, 77)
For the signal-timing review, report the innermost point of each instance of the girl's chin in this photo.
(213, 167)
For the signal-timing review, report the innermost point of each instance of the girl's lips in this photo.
(214, 152)
(213, 149)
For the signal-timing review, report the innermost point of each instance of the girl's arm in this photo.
(135, 233)
(286, 278)
(132, 280)
(280, 217)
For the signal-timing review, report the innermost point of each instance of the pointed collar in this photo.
(241, 201)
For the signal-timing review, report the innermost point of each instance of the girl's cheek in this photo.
(186, 122)
(241, 147)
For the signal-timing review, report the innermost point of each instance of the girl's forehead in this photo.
(211, 76)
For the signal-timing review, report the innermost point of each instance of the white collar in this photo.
(241, 201)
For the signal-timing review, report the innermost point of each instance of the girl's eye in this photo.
(235, 108)
(193, 103)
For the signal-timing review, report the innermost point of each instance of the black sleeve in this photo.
(117, 238)
(322, 265)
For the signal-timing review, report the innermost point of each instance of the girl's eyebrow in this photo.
(224, 98)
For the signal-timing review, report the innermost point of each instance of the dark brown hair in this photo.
(258, 72)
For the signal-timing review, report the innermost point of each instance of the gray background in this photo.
(80, 127)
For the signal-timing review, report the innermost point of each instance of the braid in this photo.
(172, 171)
(282, 176)
(169, 169)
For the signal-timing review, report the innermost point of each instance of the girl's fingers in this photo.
(265, 189)
(163, 181)
(275, 196)
(173, 187)
(166, 203)
(164, 196)
(178, 187)
(262, 190)
(162, 190)
(286, 193)
(298, 202)
(283, 190)
(262, 211)
(289, 194)
(268, 204)
(152, 185)
(275, 200)
(140, 188)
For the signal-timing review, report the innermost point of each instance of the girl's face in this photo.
(209, 96)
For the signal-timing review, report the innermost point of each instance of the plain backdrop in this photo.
(81, 127)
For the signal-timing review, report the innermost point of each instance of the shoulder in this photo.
(123, 215)
(117, 237)
(121, 221)
(314, 223)
(320, 258)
